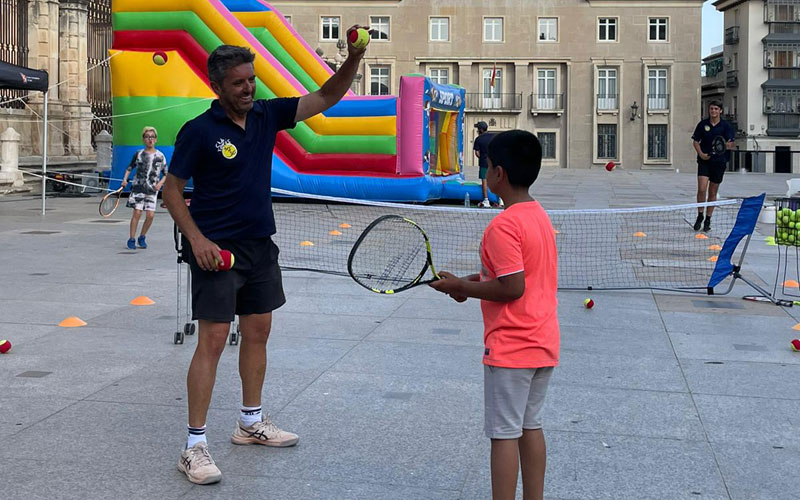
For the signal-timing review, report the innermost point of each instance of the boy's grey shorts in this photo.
(513, 400)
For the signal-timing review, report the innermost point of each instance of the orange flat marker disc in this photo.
(142, 301)
(701, 236)
(306, 244)
(713, 258)
(72, 322)
(345, 225)
(796, 327)
(640, 234)
(335, 233)
(791, 284)
(715, 247)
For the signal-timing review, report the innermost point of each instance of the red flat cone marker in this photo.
(72, 322)
(142, 301)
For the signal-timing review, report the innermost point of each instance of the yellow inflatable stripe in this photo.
(136, 75)
(293, 46)
(382, 125)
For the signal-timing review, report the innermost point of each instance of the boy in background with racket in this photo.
(713, 138)
(517, 286)
(151, 172)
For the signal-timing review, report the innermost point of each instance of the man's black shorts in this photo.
(713, 171)
(252, 286)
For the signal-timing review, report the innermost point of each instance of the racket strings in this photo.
(391, 255)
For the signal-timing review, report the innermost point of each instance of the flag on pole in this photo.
(494, 73)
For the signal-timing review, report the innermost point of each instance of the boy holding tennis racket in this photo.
(517, 286)
(151, 172)
(712, 138)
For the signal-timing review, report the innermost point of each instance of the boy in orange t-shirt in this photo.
(518, 286)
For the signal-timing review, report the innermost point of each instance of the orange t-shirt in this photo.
(522, 333)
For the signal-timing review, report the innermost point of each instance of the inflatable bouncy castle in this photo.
(391, 148)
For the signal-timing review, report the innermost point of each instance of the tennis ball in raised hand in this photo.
(588, 303)
(359, 38)
(5, 346)
(226, 264)
(160, 58)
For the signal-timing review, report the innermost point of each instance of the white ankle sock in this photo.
(196, 435)
(250, 415)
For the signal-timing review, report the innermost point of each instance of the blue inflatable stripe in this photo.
(366, 107)
(745, 225)
(245, 6)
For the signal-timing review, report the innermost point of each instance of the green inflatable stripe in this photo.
(276, 49)
(128, 129)
(192, 24)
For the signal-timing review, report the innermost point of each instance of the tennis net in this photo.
(651, 247)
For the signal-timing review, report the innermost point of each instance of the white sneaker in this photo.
(502, 205)
(198, 465)
(484, 204)
(264, 432)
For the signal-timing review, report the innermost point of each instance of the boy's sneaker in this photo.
(142, 242)
(707, 225)
(484, 204)
(264, 432)
(198, 465)
(131, 244)
(698, 222)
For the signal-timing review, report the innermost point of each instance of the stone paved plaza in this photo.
(658, 396)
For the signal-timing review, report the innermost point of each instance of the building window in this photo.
(379, 83)
(288, 19)
(546, 88)
(380, 27)
(492, 88)
(607, 29)
(607, 141)
(493, 29)
(657, 93)
(440, 29)
(657, 142)
(657, 29)
(330, 29)
(548, 142)
(440, 75)
(607, 95)
(548, 29)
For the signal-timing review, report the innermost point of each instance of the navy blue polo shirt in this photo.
(232, 168)
(705, 133)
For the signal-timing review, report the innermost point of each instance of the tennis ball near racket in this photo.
(5, 346)
(160, 58)
(359, 38)
(588, 303)
(226, 264)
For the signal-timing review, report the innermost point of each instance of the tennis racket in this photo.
(391, 255)
(110, 202)
(718, 146)
(777, 302)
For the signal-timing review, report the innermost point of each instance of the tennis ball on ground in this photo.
(227, 260)
(160, 58)
(796, 345)
(359, 38)
(5, 346)
(588, 303)
(610, 166)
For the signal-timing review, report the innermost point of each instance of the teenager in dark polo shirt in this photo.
(711, 164)
(228, 152)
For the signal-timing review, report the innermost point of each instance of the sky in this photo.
(712, 28)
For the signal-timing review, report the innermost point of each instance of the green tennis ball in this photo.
(359, 38)
(160, 58)
(791, 225)
(791, 238)
(793, 216)
(785, 219)
(784, 235)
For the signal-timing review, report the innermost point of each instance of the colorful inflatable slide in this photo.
(406, 148)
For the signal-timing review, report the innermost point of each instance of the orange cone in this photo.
(345, 225)
(796, 327)
(791, 284)
(713, 258)
(306, 244)
(336, 233)
(72, 322)
(701, 236)
(715, 247)
(142, 301)
(639, 234)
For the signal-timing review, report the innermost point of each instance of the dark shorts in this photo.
(482, 172)
(714, 172)
(252, 286)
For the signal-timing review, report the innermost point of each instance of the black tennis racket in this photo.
(391, 255)
(110, 202)
(718, 146)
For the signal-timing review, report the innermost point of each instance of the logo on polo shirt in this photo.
(228, 150)
(708, 129)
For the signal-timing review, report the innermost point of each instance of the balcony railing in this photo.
(543, 103)
(732, 79)
(779, 12)
(498, 102)
(732, 35)
(657, 102)
(607, 102)
(783, 124)
(784, 74)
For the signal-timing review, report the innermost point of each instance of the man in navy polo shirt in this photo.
(710, 163)
(228, 152)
